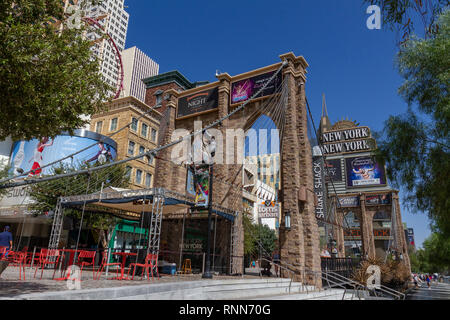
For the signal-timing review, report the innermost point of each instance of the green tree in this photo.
(416, 145)
(46, 194)
(258, 236)
(401, 15)
(48, 75)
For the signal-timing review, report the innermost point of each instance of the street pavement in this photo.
(438, 291)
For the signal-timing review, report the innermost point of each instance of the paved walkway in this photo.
(438, 291)
(11, 286)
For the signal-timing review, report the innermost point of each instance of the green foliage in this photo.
(46, 194)
(257, 234)
(400, 15)
(48, 75)
(416, 145)
(434, 257)
(3, 174)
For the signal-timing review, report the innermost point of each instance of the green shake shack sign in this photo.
(347, 141)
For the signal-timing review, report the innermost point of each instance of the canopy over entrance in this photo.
(129, 204)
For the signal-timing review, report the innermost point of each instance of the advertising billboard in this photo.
(333, 170)
(35, 154)
(243, 90)
(198, 103)
(374, 200)
(348, 202)
(364, 171)
(268, 209)
(197, 184)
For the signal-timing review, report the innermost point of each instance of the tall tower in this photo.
(137, 66)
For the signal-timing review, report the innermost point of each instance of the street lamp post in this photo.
(207, 274)
(209, 156)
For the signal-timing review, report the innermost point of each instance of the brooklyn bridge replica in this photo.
(171, 209)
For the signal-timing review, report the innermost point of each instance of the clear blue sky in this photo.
(352, 65)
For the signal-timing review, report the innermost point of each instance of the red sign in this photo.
(378, 233)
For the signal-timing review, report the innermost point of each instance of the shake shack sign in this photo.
(346, 141)
(198, 102)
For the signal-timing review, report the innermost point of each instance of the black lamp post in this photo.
(212, 146)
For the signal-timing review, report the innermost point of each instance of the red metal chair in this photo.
(151, 261)
(48, 257)
(90, 255)
(19, 260)
(3, 251)
(105, 263)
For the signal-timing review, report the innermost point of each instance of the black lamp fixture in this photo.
(287, 220)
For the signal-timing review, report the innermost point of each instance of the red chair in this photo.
(19, 260)
(3, 251)
(48, 257)
(90, 255)
(105, 263)
(151, 261)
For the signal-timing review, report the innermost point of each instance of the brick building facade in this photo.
(139, 137)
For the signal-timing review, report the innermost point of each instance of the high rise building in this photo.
(137, 66)
(113, 18)
(268, 168)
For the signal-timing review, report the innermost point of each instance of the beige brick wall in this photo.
(124, 110)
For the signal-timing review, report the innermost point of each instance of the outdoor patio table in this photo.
(124, 259)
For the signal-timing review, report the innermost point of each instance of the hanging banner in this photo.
(243, 90)
(198, 103)
(346, 202)
(319, 187)
(374, 200)
(198, 184)
(333, 170)
(364, 171)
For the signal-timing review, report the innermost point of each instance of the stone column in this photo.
(366, 226)
(401, 238)
(338, 233)
(164, 169)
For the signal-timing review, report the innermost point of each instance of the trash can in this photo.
(170, 268)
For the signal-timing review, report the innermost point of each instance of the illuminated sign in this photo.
(378, 233)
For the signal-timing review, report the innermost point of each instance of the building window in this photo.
(131, 145)
(150, 159)
(141, 150)
(148, 180)
(134, 124)
(113, 125)
(98, 127)
(158, 99)
(144, 130)
(138, 176)
(154, 135)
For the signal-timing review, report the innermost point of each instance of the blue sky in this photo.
(352, 65)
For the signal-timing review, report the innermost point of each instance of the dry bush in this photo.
(393, 273)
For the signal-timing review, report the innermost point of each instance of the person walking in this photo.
(428, 278)
(6, 240)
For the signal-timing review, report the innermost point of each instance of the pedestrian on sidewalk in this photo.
(429, 281)
(6, 240)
